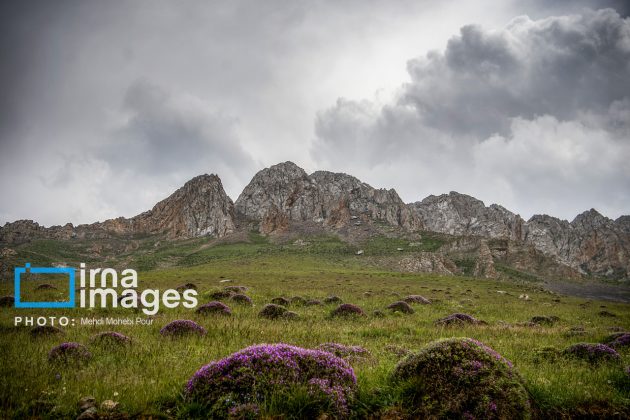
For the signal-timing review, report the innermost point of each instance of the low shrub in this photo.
(400, 306)
(458, 319)
(257, 374)
(214, 308)
(272, 311)
(181, 327)
(461, 378)
(593, 353)
(346, 310)
(69, 353)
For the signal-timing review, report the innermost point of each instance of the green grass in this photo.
(148, 379)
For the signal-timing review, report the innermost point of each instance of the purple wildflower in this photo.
(260, 370)
(214, 308)
(592, 352)
(69, 353)
(618, 340)
(244, 412)
(347, 309)
(181, 327)
(460, 375)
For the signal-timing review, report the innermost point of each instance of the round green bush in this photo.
(400, 306)
(461, 378)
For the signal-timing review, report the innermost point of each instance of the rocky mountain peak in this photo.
(461, 214)
(200, 207)
(285, 192)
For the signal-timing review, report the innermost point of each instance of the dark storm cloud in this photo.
(555, 66)
(535, 116)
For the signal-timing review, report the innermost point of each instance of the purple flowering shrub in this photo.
(111, 339)
(345, 352)
(347, 309)
(400, 306)
(253, 376)
(46, 330)
(272, 311)
(618, 340)
(244, 412)
(69, 353)
(219, 294)
(461, 378)
(242, 299)
(45, 286)
(282, 301)
(592, 352)
(181, 327)
(313, 302)
(7, 301)
(417, 299)
(458, 319)
(214, 308)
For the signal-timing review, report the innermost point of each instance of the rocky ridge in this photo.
(284, 198)
(285, 193)
(591, 243)
(200, 207)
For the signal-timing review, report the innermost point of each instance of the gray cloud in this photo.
(163, 133)
(556, 66)
(535, 116)
(235, 85)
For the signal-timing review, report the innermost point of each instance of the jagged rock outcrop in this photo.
(484, 265)
(201, 207)
(333, 199)
(463, 215)
(592, 243)
(428, 262)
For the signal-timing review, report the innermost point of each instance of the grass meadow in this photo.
(147, 379)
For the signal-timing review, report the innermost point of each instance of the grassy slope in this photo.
(149, 378)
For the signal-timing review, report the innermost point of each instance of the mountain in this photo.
(201, 207)
(285, 193)
(284, 199)
(591, 243)
(463, 215)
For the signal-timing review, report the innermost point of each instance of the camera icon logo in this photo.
(69, 271)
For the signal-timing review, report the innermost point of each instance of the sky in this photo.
(108, 107)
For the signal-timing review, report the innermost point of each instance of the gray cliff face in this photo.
(332, 199)
(591, 243)
(201, 207)
(463, 215)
